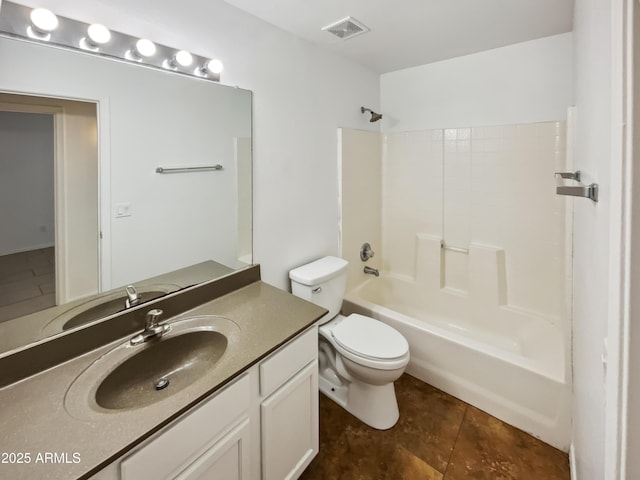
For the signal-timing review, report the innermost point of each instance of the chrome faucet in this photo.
(133, 297)
(152, 328)
(371, 271)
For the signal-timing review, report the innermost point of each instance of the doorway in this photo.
(27, 213)
(49, 209)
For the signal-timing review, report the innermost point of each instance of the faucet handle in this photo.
(133, 298)
(152, 317)
(365, 252)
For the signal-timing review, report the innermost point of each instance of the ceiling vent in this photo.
(346, 28)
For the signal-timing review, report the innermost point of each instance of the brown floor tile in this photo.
(490, 449)
(417, 447)
(429, 421)
(438, 437)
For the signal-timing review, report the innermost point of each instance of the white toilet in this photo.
(359, 357)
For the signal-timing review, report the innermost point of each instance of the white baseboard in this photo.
(572, 463)
(27, 249)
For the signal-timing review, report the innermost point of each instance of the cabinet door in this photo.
(227, 459)
(180, 444)
(289, 420)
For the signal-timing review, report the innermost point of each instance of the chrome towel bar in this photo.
(588, 191)
(209, 168)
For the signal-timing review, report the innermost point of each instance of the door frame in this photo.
(622, 389)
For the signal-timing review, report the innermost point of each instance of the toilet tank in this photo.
(322, 282)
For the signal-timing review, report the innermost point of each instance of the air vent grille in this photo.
(346, 28)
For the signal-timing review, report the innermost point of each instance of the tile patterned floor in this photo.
(27, 282)
(438, 437)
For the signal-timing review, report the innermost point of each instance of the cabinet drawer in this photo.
(180, 444)
(284, 363)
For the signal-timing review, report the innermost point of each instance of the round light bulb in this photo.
(99, 34)
(43, 20)
(184, 58)
(145, 47)
(215, 66)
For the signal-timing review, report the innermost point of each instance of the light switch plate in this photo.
(123, 210)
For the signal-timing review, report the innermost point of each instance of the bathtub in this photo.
(505, 361)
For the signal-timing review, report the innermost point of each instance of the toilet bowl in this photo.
(359, 357)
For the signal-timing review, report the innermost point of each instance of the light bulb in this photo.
(214, 66)
(183, 58)
(98, 34)
(43, 20)
(145, 47)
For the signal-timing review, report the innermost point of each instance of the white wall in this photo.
(302, 94)
(592, 34)
(26, 182)
(523, 83)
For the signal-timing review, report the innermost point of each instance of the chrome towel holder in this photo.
(587, 191)
(208, 168)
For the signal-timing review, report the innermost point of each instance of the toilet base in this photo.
(375, 405)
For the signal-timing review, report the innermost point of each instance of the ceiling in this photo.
(406, 33)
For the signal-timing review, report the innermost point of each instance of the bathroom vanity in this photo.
(253, 415)
(265, 421)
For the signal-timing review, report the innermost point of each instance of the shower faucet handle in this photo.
(365, 252)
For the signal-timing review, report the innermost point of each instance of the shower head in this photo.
(374, 116)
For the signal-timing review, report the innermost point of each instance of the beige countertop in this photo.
(33, 418)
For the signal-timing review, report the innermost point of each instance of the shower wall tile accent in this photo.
(480, 187)
(360, 196)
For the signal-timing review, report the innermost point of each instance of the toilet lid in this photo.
(367, 337)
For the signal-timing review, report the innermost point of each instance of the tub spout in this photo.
(371, 271)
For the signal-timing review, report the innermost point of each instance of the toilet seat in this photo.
(370, 342)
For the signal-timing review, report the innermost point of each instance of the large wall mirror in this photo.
(89, 225)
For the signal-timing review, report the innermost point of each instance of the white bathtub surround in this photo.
(412, 172)
(503, 360)
(360, 167)
(486, 186)
(475, 266)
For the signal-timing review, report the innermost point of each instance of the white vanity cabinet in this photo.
(263, 425)
(213, 439)
(289, 408)
(289, 419)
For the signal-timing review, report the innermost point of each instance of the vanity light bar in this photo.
(43, 26)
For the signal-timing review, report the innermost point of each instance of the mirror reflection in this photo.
(89, 225)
